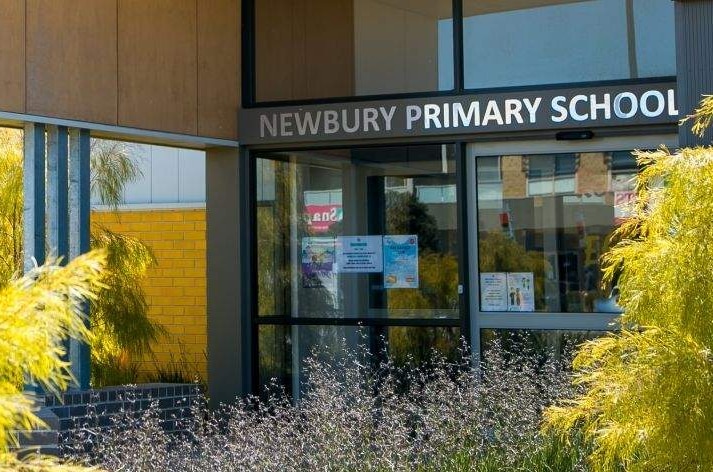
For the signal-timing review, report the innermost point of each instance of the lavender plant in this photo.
(354, 415)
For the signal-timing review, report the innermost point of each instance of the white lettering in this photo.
(345, 121)
(413, 114)
(285, 124)
(331, 122)
(465, 118)
(672, 111)
(388, 116)
(370, 118)
(605, 106)
(492, 112)
(430, 115)
(308, 121)
(532, 108)
(512, 110)
(619, 112)
(573, 108)
(446, 115)
(269, 124)
(660, 105)
(557, 107)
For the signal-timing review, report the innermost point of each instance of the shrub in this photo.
(353, 416)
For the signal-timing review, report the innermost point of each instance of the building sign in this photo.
(583, 107)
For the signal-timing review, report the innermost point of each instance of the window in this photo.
(339, 48)
(533, 42)
(542, 231)
(358, 233)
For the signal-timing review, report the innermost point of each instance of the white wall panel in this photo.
(139, 191)
(164, 174)
(191, 176)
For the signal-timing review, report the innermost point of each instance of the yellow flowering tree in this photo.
(648, 401)
(38, 312)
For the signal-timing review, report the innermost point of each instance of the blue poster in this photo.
(401, 261)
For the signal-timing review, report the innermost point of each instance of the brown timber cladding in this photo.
(164, 65)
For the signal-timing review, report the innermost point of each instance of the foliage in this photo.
(649, 389)
(352, 416)
(120, 321)
(38, 312)
(112, 168)
(11, 206)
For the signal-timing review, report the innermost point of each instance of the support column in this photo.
(694, 61)
(57, 192)
(229, 273)
(79, 221)
(34, 195)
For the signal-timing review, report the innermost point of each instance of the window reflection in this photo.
(402, 201)
(544, 225)
(532, 42)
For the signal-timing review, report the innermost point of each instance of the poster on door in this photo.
(521, 291)
(493, 291)
(401, 261)
(317, 262)
(359, 254)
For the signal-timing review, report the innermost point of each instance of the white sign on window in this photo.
(359, 254)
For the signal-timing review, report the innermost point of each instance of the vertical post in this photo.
(228, 201)
(57, 192)
(694, 62)
(79, 220)
(33, 210)
(34, 195)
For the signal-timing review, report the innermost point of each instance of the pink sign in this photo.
(321, 217)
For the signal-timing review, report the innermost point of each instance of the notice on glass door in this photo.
(521, 291)
(401, 261)
(317, 262)
(359, 254)
(493, 291)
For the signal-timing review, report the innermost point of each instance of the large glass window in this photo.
(544, 220)
(358, 233)
(533, 42)
(284, 349)
(336, 48)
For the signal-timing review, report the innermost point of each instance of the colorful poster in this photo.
(493, 291)
(359, 254)
(521, 291)
(401, 261)
(317, 262)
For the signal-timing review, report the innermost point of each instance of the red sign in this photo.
(321, 217)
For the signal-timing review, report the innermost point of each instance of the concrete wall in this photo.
(164, 65)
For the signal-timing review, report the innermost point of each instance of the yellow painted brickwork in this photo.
(176, 287)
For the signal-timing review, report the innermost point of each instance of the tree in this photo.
(648, 401)
(38, 312)
(120, 319)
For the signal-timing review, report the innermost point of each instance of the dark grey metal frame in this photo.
(472, 320)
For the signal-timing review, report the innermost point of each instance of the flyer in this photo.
(493, 291)
(359, 254)
(317, 261)
(401, 261)
(521, 291)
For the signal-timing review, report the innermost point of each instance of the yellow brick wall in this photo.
(176, 287)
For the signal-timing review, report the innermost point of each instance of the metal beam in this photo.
(34, 195)
(57, 193)
(79, 236)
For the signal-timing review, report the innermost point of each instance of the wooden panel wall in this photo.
(305, 49)
(12, 55)
(157, 65)
(218, 67)
(165, 65)
(71, 59)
